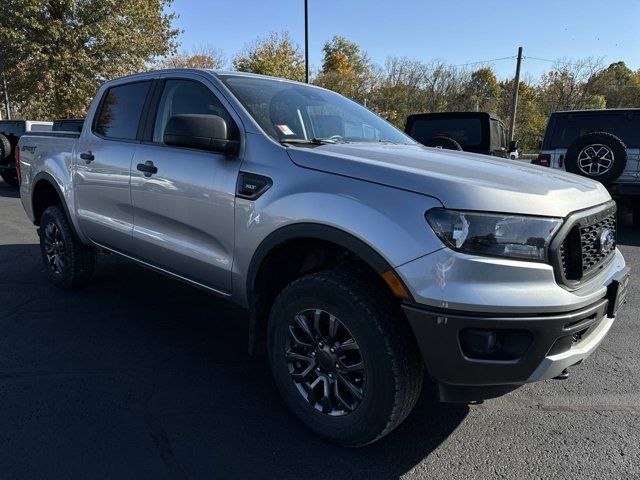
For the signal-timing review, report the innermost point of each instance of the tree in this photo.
(58, 52)
(483, 90)
(618, 85)
(275, 55)
(530, 120)
(201, 57)
(566, 88)
(346, 69)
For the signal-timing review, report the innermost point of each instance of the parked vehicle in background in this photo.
(603, 145)
(363, 257)
(10, 133)
(68, 125)
(476, 132)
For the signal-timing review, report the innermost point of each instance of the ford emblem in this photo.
(607, 240)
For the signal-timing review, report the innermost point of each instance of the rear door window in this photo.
(120, 111)
(466, 131)
(625, 125)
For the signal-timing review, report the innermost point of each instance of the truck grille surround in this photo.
(584, 245)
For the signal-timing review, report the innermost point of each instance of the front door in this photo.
(104, 153)
(183, 214)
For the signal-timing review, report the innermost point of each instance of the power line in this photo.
(485, 61)
(561, 62)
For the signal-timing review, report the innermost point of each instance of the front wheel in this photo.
(343, 359)
(68, 262)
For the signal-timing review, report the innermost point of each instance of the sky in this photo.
(458, 32)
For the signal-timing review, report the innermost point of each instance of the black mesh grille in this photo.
(581, 253)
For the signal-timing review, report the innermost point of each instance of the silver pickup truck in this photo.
(364, 258)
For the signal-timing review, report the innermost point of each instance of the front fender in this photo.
(388, 222)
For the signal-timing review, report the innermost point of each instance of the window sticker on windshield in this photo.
(285, 129)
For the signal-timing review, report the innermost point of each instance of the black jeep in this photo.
(477, 132)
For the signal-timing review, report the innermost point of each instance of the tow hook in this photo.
(563, 376)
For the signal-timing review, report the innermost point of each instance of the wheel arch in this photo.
(47, 192)
(298, 245)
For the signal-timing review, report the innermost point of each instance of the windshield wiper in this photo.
(310, 141)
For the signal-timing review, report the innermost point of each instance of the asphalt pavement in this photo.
(142, 377)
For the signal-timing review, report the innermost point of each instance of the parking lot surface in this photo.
(139, 376)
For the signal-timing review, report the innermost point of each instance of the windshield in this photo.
(294, 112)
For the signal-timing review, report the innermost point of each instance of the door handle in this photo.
(147, 168)
(87, 157)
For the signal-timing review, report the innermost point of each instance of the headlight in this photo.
(494, 234)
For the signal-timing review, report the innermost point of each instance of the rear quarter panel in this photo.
(47, 157)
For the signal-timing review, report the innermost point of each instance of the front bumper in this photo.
(525, 345)
(518, 348)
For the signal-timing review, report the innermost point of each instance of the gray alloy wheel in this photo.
(54, 248)
(596, 159)
(325, 362)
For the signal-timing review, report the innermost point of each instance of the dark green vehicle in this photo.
(476, 132)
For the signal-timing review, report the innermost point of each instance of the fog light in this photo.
(479, 342)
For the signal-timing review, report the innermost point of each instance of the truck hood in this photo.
(459, 180)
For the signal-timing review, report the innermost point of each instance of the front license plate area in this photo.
(617, 291)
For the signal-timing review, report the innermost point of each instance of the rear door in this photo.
(104, 153)
(184, 213)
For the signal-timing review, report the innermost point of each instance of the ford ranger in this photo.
(368, 263)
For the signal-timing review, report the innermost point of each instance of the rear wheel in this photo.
(68, 262)
(343, 358)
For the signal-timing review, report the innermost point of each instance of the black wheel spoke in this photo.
(302, 323)
(297, 339)
(347, 346)
(353, 390)
(356, 367)
(325, 362)
(333, 327)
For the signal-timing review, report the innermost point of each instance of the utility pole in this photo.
(514, 103)
(306, 41)
(5, 90)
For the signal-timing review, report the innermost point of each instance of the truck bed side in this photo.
(47, 157)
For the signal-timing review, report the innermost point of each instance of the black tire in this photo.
(77, 261)
(5, 149)
(393, 369)
(600, 156)
(10, 178)
(442, 141)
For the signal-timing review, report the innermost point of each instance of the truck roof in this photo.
(213, 72)
(455, 115)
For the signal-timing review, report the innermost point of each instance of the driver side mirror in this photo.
(513, 146)
(202, 132)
